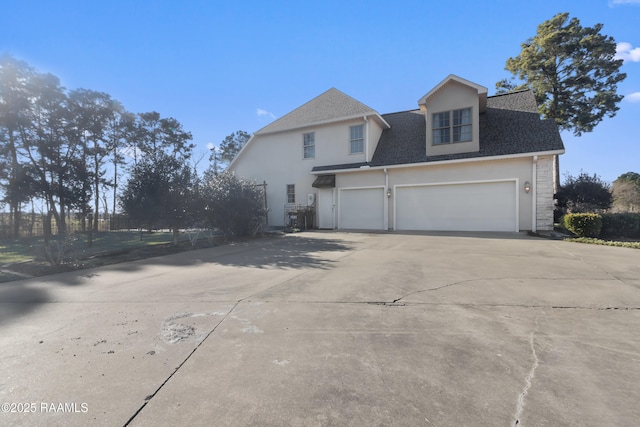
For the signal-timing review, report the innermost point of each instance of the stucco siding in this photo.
(278, 159)
(375, 131)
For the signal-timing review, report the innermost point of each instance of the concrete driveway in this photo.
(321, 329)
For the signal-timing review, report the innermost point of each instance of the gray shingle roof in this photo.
(511, 125)
(331, 105)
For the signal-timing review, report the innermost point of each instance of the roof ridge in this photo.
(510, 93)
(309, 113)
(401, 112)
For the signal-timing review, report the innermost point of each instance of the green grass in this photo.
(8, 255)
(20, 250)
(593, 241)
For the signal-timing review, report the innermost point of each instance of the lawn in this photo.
(593, 241)
(20, 250)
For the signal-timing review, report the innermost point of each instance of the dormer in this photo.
(452, 113)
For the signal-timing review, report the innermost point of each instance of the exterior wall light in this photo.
(388, 192)
(527, 187)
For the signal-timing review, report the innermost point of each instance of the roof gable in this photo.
(452, 78)
(330, 106)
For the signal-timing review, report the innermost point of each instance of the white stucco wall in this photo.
(278, 159)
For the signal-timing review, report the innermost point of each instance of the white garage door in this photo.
(361, 208)
(485, 206)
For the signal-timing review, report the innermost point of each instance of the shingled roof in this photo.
(511, 125)
(330, 106)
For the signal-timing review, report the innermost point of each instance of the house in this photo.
(461, 161)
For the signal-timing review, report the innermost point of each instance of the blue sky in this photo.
(222, 66)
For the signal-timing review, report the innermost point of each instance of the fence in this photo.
(114, 232)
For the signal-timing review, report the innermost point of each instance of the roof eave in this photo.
(444, 162)
(230, 165)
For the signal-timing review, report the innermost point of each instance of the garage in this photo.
(469, 206)
(361, 208)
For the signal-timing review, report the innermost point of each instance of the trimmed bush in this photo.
(583, 225)
(620, 225)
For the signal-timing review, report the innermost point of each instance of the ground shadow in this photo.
(17, 300)
(274, 251)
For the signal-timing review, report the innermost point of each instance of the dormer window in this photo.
(452, 126)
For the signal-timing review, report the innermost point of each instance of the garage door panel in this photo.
(362, 208)
(457, 207)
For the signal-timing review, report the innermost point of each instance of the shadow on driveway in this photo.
(17, 299)
(282, 252)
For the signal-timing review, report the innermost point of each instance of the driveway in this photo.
(320, 329)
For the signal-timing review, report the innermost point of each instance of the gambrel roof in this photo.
(330, 106)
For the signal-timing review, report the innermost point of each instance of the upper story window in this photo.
(452, 126)
(291, 193)
(309, 145)
(356, 139)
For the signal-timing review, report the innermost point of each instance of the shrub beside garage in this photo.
(618, 225)
(583, 224)
(625, 225)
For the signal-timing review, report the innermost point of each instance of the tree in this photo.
(572, 71)
(229, 148)
(159, 192)
(584, 193)
(626, 192)
(120, 131)
(231, 204)
(92, 113)
(14, 108)
(50, 145)
(154, 134)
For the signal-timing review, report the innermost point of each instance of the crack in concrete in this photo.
(244, 299)
(529, 378)
(440, 287)
(151, 396)
(496, 279)
(442, 304)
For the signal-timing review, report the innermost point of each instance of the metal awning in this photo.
(325, 181)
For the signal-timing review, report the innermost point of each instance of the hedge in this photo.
(583, 224)
(620, 225)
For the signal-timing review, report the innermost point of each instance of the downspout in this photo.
(386, 199)
(534, 194)
(366, 139)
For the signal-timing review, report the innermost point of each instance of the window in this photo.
(452, 126)
(309, 145)
(441, 134)
(291, 193)
(356, 139)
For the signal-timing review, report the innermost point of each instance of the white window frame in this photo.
(309, 145)
(450, 127)
(359, 139)
(291, 193)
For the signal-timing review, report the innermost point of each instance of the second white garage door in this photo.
(481, 206)
(361, 208)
